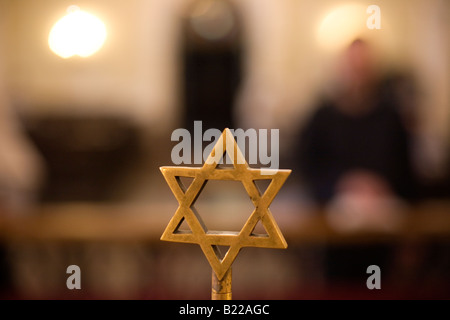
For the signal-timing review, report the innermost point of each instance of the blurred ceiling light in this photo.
(341, 25)
(212, 19)
(77, 33)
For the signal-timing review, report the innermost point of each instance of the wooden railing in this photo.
(126, 222)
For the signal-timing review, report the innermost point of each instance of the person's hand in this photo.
(364, 184)
(363, 200)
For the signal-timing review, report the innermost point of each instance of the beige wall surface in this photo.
(288, 58)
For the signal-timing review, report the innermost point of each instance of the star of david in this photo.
(210, 240)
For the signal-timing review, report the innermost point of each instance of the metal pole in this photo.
(221, 289)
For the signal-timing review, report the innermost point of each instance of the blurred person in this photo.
(355, 144)
(21, 166)
(354, 157)
(21, 173)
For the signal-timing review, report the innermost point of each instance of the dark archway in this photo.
(211, 61)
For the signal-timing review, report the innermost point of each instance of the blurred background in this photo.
(87, 110)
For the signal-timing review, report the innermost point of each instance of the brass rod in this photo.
(221, 289)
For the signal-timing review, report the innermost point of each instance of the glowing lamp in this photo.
(78, 33)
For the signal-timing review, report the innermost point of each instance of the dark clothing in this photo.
(334, 143)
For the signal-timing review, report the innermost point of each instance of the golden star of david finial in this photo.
(210, 240)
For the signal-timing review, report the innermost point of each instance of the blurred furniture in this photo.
(119, 252)
(85, 156)
(121, 222)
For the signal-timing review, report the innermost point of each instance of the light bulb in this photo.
(77, 33)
